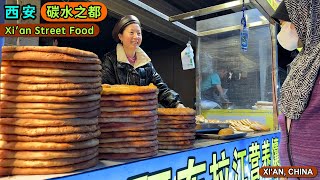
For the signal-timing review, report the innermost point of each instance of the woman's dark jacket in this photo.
(116, 72)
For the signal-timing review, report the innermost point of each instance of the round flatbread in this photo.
(176, 130)
(49, 99)
(176, 111)
(176, 118)
(48, 80)
(174, 147)
(39, 105)
(128, 114)
(175, 138)
(40, 131)
(181, 134)
(124, 156)
(176, 126)
(52, 138)
(52, 49)
(179, 143)
(134, 97)
(128, 119)
(47, 87)
(124, 140)
(41, 146)
(44, 163)
(129, 144)
(63, 93)
(137, 108)
(175, 122)
(126, 126)
(126, 134)
(57, 170)
(127, 89)
(55, 65)
(48, 56)
(50, 72)
(128, 103)
(92, 114)
(137, 128)
(46, 155)
(137, 150)
(46, 111)
(48, 123)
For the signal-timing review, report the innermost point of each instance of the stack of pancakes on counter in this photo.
(49, 108)
(128, 122)
(176, 128)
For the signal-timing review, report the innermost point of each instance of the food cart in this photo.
(254, 80)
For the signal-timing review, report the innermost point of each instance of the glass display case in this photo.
(228, 77)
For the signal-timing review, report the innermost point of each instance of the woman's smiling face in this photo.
(131, 36)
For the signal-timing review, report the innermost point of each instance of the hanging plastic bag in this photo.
(187, 57)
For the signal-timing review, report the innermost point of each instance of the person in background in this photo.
(129, 64)
(55, 42)
(300, 92)
(212, 93)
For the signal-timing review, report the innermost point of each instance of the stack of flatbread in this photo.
(176, 128)
(49, 104)
(128, 122)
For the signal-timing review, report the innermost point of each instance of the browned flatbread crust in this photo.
(127, 89)
(175, 122)
(48, 80)
(137, 108)
(181, 134)
(129, 144)
(124, 156)
(175, 138)
(176, 118)
(39, 105)
(61, 169)
(128, 114)
(49, 99)
(128, 119)
(176, 111)
(182, 142)
(40, 131)
(52, 49)
(56, 65)
(134, 97)
(126, 139)
(50, 72)
(48, 123)
(136, 150)
(47, 111)
(92, 114)
(48, 56)
(47, 87)
(176, 126)
(45, 155)
(174, 147)
(165, 130)
(129, 134)
(141, 128)
(128, 103)
(48, 145)
(52, 138)
(44, 163)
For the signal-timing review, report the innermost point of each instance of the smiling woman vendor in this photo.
(129, 64)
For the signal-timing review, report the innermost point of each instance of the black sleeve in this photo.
(108, 71)
(167, 97)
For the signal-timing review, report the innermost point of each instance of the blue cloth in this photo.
(210, 81)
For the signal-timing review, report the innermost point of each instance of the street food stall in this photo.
(250, 114)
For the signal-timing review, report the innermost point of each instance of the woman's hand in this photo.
(180, 106)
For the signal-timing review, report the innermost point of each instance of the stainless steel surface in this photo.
(231, 28)
(208, 10)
